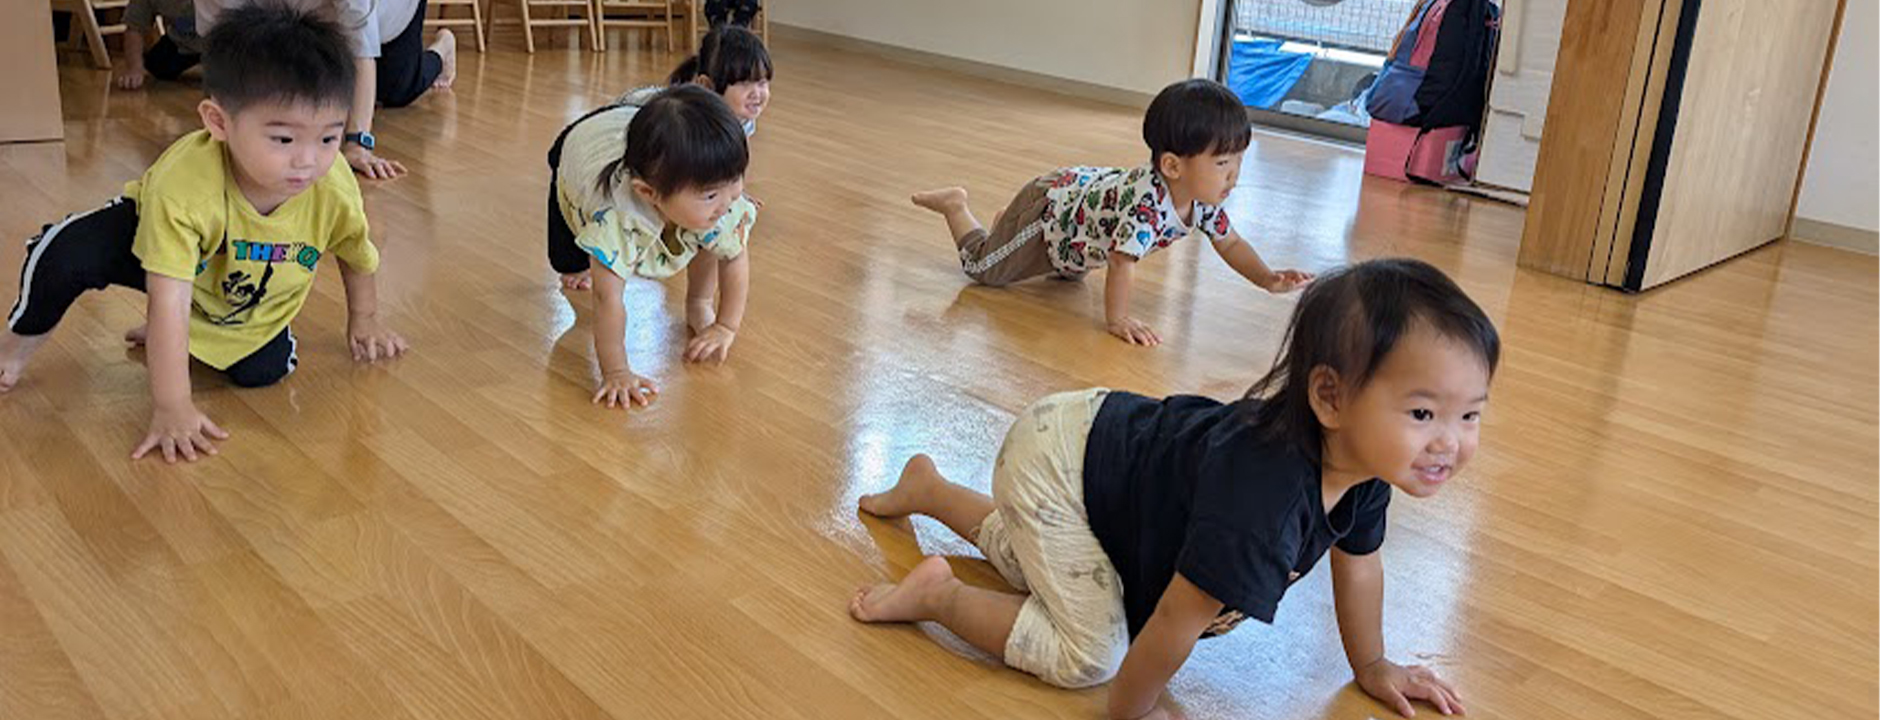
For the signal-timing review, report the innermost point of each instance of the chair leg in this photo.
(476, 24)
(94, 40)
(597, 18)
(528, 27)
(594, 28)
(692, 18)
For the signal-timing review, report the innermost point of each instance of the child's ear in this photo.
(214, 118)
(1169, 164)
(643, 190)
(1323, 391)
(704, 81)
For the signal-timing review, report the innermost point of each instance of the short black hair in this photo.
(1349, 320)
(684, 137)
(728, 55)
(1197, 116)
(269, 51)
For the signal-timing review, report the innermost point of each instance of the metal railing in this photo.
(1363, 25)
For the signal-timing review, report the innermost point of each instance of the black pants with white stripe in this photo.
(92, 251)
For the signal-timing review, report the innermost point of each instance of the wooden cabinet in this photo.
(29, 74)
(1676, 134)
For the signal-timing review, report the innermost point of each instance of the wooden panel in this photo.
(1612, 248)
(1587, 115)
(1821, 94)
(29, 78)
(1749, 94)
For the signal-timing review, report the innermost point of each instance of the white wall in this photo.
(1133, 45)
(1841, 187)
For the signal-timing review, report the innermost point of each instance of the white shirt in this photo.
(367, 23)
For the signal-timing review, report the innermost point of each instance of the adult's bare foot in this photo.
(446, 47)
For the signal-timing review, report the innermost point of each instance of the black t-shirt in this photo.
(1185, 485)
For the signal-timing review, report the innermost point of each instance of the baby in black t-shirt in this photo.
(1133, 526)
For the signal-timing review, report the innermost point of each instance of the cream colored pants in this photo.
(1071, 631)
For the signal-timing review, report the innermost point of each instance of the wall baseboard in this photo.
(1001, 73)
(1832, 235)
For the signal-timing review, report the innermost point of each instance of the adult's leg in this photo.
(405, 68)
(166, 61)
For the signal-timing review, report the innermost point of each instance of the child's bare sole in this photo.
(942, 200)
(15, 351)
(446, 47)
(918, 479)
(137, 336)
(577, 281)
(910, 600)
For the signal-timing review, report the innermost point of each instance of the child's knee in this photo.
(1068, 651)
(258, 375)
(987, 278)
(1081, 670)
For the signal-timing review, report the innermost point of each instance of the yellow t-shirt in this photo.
(251, 273)
(618, 229)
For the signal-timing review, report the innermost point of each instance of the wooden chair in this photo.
(695, 17)
(85, 22)
(443, 18)
(648, 14)
(530, 21)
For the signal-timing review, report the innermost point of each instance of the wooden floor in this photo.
(1673, 514)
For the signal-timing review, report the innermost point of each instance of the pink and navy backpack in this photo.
(1437, 74)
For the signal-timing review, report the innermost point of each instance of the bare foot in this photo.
(446, 47)
(137, 336)
(913, 599)
(942, 201)
(15, 350)
(577, 281)
(918, 479)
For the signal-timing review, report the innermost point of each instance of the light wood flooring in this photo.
(1673, 514)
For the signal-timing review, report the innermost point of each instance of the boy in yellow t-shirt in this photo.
(225, 230)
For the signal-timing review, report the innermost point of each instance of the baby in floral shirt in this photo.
(1073, 220)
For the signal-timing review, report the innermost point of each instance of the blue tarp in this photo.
(1261, 74)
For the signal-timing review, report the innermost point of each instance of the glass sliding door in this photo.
(1308, 64)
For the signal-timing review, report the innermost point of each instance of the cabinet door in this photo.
(1736, 135)
(1517, 106)
(29, 76)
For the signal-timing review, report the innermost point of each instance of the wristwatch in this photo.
(363, 138)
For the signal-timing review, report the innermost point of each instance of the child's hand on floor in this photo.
(371, 343)
(625, 389)
(181, 431)
(1285, 281)
(1134, 331)
(713, 344)
(1396, 685)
